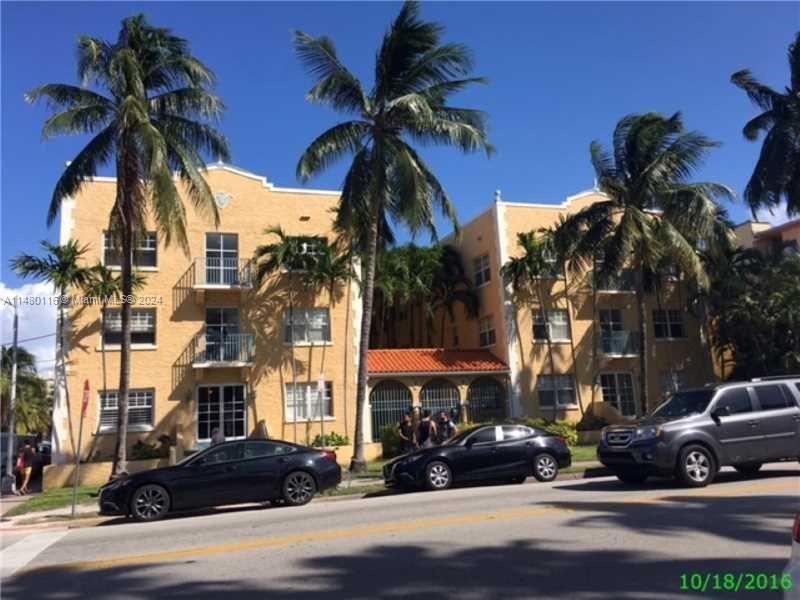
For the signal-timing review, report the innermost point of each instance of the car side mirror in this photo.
(721, 411)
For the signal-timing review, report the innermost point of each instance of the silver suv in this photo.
(697, 431)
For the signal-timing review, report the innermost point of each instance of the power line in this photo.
(38, 337)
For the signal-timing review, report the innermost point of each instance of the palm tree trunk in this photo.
(358, 462)
(641, 303)
(705, 342)
(63, 361)
(120, 451)
(331, 305)
(444, 322)
(594, 340)
(540, 293)
(411, 327)
(347, 347)
(572, 341)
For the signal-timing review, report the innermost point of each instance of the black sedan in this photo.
(491, 453)
(229, 473)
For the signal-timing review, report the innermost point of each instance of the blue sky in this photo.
(561, 75)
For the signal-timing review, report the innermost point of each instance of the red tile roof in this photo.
(433, 360)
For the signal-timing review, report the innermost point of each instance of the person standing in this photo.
(447, 428)
(217, 437)
(406, 431)
(29, 456)
(426, 432)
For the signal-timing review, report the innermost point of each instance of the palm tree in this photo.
(33, 408)
(288, 255)
(104, 285)
(776, 176)
(652, 212)
(415, 75)
(146, 118)
(526, 273)
(61, 267)
(327, 270)
(452, 286)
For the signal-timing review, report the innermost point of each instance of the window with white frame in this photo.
(482, 270)
(145, 251)
(486, 335)
(668, 324)
(610, 321)
(671, 381)
(617, 389)
(553, 266)
(556, 391)
(140, 410)
(308, 325)
(307, 248)
(304, 402)
(143, 327)
(557, 323)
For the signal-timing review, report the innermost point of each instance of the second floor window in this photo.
(143, 327)
(668, 324)
(486, 333)
(145, 251)
(482, 271)
(610, 321)
(140, 410)
(557, 322)
(309, 325)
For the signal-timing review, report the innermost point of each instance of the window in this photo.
(484, 436)
(553, 267)
(668, 324)
(145, 251)
(557, 322)
(222, 259)
(772, 397)
(261, 449)
(617, 389)
(226, 453)
(562, 397)
(736, 400)
(307, 248)
(670, 382)
(310, 325)
(482, 270)
(515, 432)
(305, 403)
(140, 410)
(221, 407)
(610, 321)
(143, 327)
(486, 336)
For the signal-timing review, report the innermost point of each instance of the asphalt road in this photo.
(569, 539)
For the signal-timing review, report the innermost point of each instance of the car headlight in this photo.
(646, 433)
(410, 460)
(112, 485)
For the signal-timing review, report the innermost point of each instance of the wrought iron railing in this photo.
(232, 272)
(619, 343)
(232, 348)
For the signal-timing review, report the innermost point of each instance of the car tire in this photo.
(748, 469)
(298, 488)
(545, 467)
(631, 476)
(149, 502)
(438, 476)
(696, 466)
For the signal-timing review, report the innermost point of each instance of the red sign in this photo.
(85, 397)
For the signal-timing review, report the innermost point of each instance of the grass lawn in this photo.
(584, 453)
(52, 499)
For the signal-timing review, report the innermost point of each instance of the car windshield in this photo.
(684, 404)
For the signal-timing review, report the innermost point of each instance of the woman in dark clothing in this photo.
(406, 431)
(426, 431)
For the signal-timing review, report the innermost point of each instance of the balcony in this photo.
(222, 273)
(232, 350)
(617, 344)
(624, 282)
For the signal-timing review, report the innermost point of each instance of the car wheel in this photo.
(299, 488)
(438, 476)
(149, 503)
(631, 476)
(696, 466)
(545, 467)
(748, 469)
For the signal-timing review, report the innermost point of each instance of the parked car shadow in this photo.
(200, 512)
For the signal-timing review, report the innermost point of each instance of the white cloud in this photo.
(778, 215)
(37, 317)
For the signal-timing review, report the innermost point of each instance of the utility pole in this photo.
(12, 405)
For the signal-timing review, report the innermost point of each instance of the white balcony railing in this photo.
(235, 349)
(223, 272)
(619, 343)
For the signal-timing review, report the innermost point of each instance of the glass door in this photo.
(221, 407)
(223, 342)
(222, 259)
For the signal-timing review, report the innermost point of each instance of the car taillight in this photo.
(796, 530)
(329, 454)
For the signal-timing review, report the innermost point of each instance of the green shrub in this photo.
(143, 451)
(391, 441)
(330, 439)
(565, 429)
(591, 422)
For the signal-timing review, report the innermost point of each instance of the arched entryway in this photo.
(389, 401)
(438, 395)
(485, 400)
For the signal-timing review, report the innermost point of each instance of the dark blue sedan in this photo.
(229, 473)
(508, 452)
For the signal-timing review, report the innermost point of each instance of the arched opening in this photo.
(485, 400)
(389, 401)
(438, 395)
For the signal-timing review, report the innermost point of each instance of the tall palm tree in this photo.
(33, 407)
(106, 287)
(652, 212)
(147, 115)
(415, 76)
(288, 256)
(776, 176)
(452, 286)
(62, 267)
(327, 270)
(526, 274)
